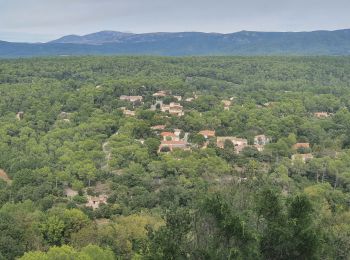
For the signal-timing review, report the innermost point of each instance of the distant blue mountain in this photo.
(94, 38)
(188, 43)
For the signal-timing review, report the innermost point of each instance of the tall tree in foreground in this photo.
(289, 231)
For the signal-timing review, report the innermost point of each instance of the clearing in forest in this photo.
(4, 176)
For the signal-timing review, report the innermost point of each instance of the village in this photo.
(172, 139)
(176, 139)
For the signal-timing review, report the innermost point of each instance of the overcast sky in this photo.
(44, 20)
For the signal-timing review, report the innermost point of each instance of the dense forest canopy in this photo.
(175, 158)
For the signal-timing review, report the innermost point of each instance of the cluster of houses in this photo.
(172, 108)
(172, 140)
(240, 143)
(163, 93)
(134, 100)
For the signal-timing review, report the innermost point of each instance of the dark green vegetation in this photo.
(200, 204)
(188, 43)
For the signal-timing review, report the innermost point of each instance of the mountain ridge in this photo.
(92, 38)
(320, 42)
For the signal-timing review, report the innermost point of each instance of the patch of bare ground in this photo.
(102, 188)
(4, 176)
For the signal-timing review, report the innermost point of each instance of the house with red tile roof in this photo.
(207, 133)
(169, 136)
(171, 145)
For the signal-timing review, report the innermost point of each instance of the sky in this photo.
(45, 20)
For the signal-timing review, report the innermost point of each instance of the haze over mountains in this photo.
(187, 43)
(95, 38)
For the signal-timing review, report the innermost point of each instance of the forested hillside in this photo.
(175, 158)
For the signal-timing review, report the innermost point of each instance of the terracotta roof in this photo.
(167, 134)
(207, 133)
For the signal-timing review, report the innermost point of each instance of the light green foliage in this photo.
(53, 230)
(89, 252)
